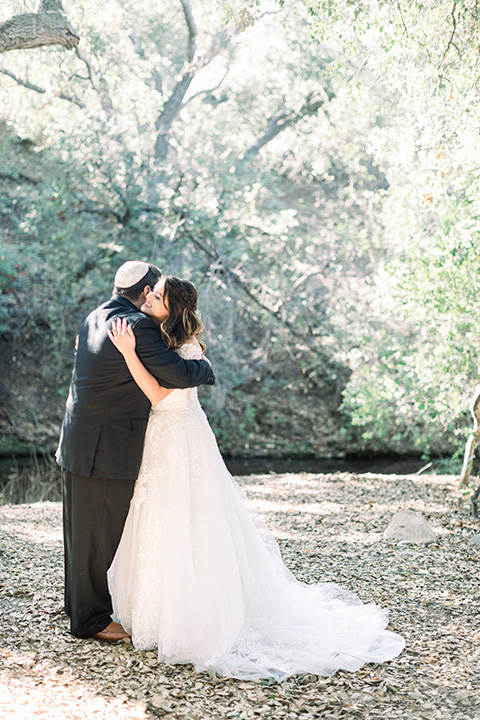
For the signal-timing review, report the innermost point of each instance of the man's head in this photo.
(134, 279)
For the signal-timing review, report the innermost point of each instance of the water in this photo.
(37, 478)
(385, 465)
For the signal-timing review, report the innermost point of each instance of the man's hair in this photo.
(151, 277)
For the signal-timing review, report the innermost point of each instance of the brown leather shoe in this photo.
(112, 633)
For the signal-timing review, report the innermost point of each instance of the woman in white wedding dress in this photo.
(199, 576)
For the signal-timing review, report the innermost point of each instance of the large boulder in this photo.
(411, 527)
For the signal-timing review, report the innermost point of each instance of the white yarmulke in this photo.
(130, 273)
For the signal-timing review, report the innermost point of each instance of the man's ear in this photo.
(146, 290)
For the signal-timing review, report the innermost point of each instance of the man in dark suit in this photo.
(101, 443)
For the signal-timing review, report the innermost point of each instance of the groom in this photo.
(101, 443)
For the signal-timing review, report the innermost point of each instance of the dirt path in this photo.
(330, 528)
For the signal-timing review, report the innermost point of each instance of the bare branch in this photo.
(17, 177)
(282, 120)
(91, 260)
(87, 62)
(179, 221)
(30, 86)
(274, 312)
(190, 68)
(174, 103)
(97, 81)
(157, 78)
(218, 267)
(450, 40)
(209, 91)
(401, 17)
(192, 65)
(106, 212)
(192, 29)
(138, 44)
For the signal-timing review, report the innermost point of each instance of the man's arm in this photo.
(167, 366)
(122, 336)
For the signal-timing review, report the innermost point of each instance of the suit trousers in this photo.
(94, 513)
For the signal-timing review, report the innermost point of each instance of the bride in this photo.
(196, 574)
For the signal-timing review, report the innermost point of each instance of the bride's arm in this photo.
(123, 338)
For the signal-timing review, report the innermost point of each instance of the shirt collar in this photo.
(124, 301)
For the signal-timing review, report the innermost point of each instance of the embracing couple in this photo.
(159, 543)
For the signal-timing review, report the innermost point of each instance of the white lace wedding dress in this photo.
(200, 577)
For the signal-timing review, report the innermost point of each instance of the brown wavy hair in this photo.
(183, 319)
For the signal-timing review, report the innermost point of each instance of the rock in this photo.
(411, 527)
(475, 540)
(160, 701)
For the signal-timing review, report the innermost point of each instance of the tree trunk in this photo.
(29, 30)
(472, 440)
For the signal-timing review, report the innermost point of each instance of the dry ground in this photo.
(330, 528)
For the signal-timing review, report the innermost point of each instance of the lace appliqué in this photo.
(159, 430)
(189, 351)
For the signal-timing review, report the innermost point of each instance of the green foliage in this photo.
(337, 260)
(10, 282)
(91, 193)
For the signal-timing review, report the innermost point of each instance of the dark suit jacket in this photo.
(106, 413)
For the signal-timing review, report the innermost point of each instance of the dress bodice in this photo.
(180, 400)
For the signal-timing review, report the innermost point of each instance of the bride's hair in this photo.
(183, 319)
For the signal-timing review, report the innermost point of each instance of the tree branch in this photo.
(97, 82)
(157, 78)
(17, 177)
(192, 29)
(106, 212)
(218, 267)
(209, 91)
(92, 258)
(88, 65)
(450, 40)
(174, 103)
(282, 120)
(192, 65)
(42, 91)
(401, 18)
(49, 26)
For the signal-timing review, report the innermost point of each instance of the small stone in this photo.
(160, 701)
(411, 527)
(307, 679)
(475, 540)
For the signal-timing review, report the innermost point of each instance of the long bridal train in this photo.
(201, 578)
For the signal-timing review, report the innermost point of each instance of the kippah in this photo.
(130, 273)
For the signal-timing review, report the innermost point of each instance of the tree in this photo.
(317, 190)
(180, 153)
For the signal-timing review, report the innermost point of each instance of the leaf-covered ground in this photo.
(330, 528)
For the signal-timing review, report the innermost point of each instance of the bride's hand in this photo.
(122, 336)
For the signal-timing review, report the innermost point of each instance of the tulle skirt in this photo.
(199, 577)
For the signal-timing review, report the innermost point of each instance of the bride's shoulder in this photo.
(190, 350)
